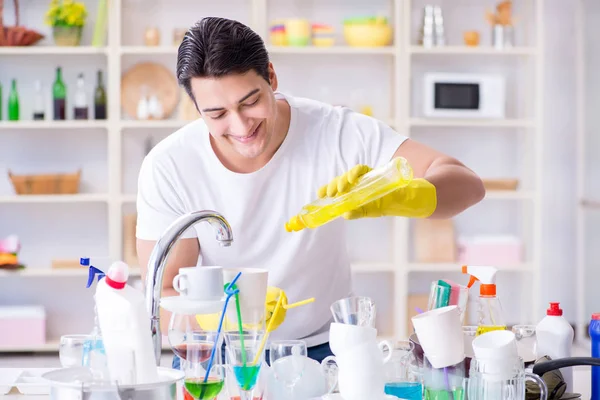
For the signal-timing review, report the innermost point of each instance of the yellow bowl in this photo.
(368, 35)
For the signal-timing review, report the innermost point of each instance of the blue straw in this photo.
(229, 293)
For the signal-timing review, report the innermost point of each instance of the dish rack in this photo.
(46, 183)
(16, 35)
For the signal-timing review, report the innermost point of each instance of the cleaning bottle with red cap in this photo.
(554, 338)
(490, 314)
(125, 326)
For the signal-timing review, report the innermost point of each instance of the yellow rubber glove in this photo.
(273, 294)
(416, 200)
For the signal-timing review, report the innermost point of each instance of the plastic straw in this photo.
(239, 317)
(269, 329)
(447, 381)
(229, 293)
(299, 303)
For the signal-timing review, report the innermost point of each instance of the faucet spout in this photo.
(158, 261)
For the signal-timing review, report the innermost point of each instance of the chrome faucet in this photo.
(158, 261)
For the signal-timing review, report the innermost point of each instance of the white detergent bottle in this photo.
(554, 338)
(125, 327)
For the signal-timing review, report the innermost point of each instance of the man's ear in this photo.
(272, 77)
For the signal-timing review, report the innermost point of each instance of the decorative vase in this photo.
(67, 35)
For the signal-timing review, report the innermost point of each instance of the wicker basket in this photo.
(46, 184)
(16, 35)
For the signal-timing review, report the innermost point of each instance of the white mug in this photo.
(200, 283)
(252, 285)
(344, 336)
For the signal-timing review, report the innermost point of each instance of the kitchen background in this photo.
(532, 225)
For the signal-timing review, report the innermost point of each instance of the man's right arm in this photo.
(158, 206)
(184, 254)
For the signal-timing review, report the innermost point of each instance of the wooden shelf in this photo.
(148, 50)
(372, 267)
(446, 123)
(55, 125)
(388, 50)
(480, 50)
(52, 346)
(456, 267)
(55, 198)
(54, 272)
(53, 50)
(161, 124)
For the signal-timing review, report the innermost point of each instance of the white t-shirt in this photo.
(182, 174)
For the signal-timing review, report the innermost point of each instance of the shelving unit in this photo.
(404, 54)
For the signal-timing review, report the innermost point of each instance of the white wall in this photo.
(61, 231)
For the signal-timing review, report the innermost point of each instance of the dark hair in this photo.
(216, 47)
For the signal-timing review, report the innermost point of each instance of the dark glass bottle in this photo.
(59, 96)
(100, 99)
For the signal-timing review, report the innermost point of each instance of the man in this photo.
(257, 156)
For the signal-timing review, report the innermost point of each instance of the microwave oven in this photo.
(464, 95)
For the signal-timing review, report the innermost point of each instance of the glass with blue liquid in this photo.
(403, 376)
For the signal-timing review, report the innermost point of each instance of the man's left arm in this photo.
(456, 186)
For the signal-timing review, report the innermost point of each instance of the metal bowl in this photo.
(78, 383)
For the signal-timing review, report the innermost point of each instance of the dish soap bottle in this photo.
(491, 316)
(125, 327)
(554, 338)
(371, 186)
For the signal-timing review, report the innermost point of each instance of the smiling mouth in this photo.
(246, 139)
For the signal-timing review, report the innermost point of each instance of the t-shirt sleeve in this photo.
(366, 140)
(158, 204)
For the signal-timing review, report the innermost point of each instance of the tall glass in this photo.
(402, 373)
(245, 353)
(358, 310)
(287, 361)
(204, 380)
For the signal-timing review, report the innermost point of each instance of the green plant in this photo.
(66, 13)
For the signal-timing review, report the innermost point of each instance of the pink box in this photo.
(491, 250)
(22, 326)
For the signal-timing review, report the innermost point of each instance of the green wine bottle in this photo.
(13, 102)
(59, 96)
(100, 99)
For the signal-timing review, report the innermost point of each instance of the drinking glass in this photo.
(70, 350)
(184, 330)
(526, 341)
(198, 383)
(245, 354)
(354, 311)
(287, 361)
(403, 379)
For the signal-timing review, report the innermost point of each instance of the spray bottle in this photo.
(490, 313)
(94, 355)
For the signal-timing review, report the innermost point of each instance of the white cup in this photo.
(252, 285)
(200, 283)
(371, 354)
(495, 345)
(361, 371)
(343, 336)
(442, 350)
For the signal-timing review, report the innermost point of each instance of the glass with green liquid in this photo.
(199, 384)
(444, 383)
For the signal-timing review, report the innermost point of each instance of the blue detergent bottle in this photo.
(594, 331)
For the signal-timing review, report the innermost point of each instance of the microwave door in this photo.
(457, 96)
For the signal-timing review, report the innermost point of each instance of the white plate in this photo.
(181, 305)
(31, 381)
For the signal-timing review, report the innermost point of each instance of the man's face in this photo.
(239, 110)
